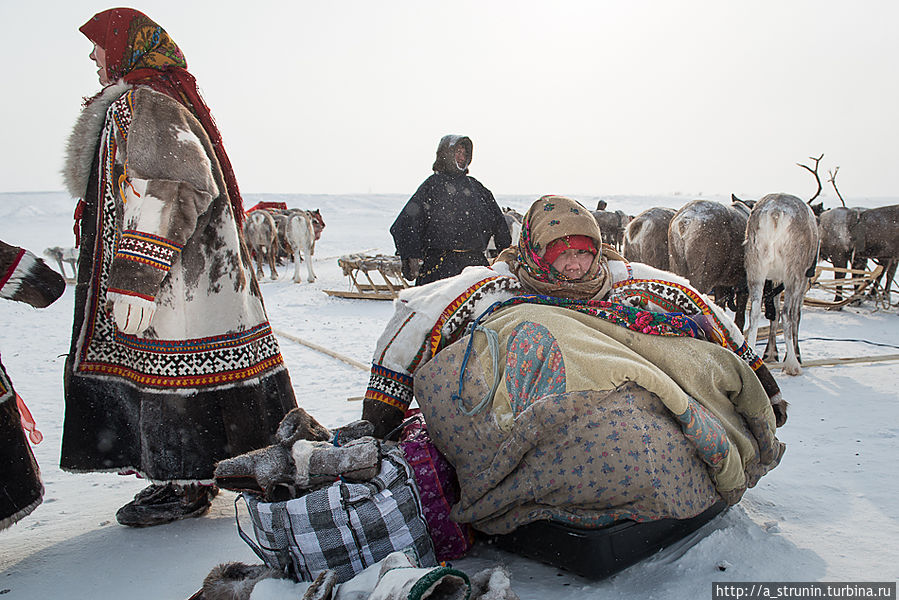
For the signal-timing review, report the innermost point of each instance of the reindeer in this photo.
(513, 222)
(705, 245)
(301, 237)
(646, 237)
(63, 256)
(318, 223)
(611, 225)
(836, 228)
(781, 245)
(261, 235)
(876, 236)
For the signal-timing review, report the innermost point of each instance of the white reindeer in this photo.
(782, 246)
(261, 235)
(301, 237)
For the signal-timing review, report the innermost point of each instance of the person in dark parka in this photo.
(449, 220)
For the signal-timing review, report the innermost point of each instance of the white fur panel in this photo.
(301, 452)
(142, 211)
(189, 138)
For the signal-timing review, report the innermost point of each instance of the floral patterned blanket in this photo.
(561, 415)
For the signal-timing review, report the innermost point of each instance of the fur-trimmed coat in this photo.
(201, 377)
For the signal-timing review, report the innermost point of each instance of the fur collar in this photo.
(84, 138)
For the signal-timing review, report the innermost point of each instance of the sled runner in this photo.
(358, 266)
(599, 553)
(862, 278)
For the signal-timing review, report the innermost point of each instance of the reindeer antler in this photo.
(815, 173)
(833, 181)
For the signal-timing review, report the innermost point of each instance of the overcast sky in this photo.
(589, 97)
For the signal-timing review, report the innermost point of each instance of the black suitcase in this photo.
(599, 553)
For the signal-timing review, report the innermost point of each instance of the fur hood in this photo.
(446, 160)
(82, 145)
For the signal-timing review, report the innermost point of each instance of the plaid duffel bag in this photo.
(344, 527)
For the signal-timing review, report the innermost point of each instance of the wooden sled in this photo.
(357, 266)
(862, 278)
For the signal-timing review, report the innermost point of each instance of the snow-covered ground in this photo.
(829, 512)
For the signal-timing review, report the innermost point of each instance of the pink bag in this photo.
(437, 487)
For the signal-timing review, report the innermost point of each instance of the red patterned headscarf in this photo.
(549, 219)
(141, 52)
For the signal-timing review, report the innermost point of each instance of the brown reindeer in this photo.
(876, 236)
(261, 235)
(646, 237)
(781, 246)
(611, 226)
(705, 245)
(836, 231)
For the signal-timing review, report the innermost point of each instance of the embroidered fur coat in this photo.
(173, 365)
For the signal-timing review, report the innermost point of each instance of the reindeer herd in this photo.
(274, 233)
(750, 251)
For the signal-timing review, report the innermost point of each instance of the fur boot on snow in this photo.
(159, 504)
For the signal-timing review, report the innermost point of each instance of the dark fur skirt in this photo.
(111, 425)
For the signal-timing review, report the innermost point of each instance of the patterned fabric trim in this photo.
(148, 249)
(6, 391)
(389, 387)
(124, 108)
(705, 431)
(643, 321)
(230, 340)
(748, 355)
(165, 364)
(678, 298)
(672, 297)
(184, 381)
(459, 313)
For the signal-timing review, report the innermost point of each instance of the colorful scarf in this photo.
(141, 52)
(548, 219)
(635, 319)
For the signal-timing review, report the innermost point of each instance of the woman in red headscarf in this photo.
(173, 364)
